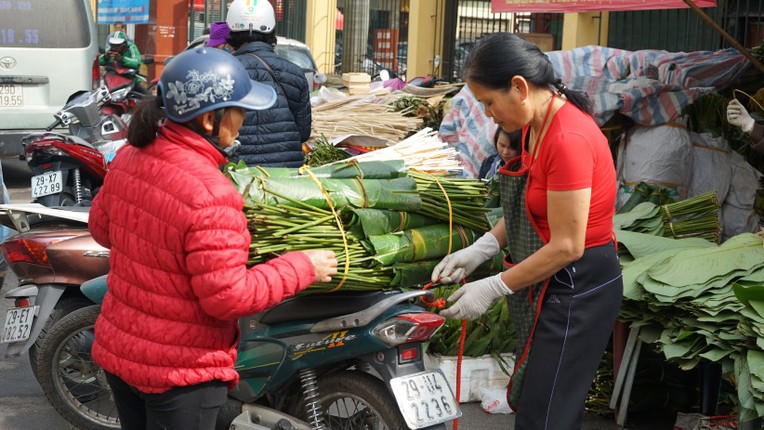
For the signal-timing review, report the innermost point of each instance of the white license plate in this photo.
(425, 399)
(18, 325)
(11, 96)
(46, 184)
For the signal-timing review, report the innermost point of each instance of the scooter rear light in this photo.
(29, 251)
(407, 354)
(22, 303)
(406, 328)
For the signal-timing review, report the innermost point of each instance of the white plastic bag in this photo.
(711, 168)
(494, 400)
(659, 155)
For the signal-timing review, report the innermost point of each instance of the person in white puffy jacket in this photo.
(739, 116)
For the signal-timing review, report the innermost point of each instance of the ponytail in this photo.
(146, 120)
(579, 98)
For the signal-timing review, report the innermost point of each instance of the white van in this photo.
(48, 51)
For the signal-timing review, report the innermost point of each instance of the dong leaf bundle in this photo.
(388, 227)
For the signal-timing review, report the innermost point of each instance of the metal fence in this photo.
(683, 29)
(468, 20)
(371, 35)
(290, 18)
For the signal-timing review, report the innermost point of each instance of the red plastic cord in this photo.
(459, 368)
(439, 303)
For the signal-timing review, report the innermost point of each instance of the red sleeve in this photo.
(571, 164)
(217, 247)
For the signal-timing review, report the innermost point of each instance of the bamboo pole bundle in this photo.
(361, 114)
(423, 151)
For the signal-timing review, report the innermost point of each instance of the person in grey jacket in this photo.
(739, 116)
(272, 137)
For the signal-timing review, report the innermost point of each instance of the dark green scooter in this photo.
(346, 360)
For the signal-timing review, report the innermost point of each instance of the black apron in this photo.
(562, 323)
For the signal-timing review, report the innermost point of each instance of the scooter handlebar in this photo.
(55, 124)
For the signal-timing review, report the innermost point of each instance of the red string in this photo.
(459, 368)
(440, 302)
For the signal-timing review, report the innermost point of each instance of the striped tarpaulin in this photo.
(649, 86)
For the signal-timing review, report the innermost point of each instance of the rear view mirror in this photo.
(148, 60)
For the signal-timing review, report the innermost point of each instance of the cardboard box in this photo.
(476, 372)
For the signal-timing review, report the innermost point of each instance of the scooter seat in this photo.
(321, 306)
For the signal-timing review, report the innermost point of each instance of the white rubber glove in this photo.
(738, 115)
(461, 263)
(474, 298)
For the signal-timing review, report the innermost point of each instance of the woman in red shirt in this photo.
(563, 285)
(167, 333)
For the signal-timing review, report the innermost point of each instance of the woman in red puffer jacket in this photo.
(168, 331)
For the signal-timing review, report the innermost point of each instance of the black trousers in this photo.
(577, 317)
(193, 407)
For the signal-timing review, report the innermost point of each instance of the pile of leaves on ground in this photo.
(681, 294)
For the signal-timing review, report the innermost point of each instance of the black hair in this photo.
(498, 57)
(239, 38)
(515, 138)
(145, 122)
(206, 31)
(119, 22)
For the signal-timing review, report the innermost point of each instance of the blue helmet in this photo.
(206, 79)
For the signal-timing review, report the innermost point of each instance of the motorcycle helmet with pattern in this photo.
(207, 79)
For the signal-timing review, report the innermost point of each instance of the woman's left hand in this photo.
(474, 298)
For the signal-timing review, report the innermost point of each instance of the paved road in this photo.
(23, 405)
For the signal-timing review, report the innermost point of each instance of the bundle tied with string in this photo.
(387, 232)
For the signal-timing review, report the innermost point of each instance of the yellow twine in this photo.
(339, 224)
(450, 213)
(750, 97)
(267, 175)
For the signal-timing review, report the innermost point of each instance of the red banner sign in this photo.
(560, 6)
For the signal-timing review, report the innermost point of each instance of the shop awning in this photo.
(560, 6)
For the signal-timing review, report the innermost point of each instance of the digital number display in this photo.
(18, 36)
(43, 24)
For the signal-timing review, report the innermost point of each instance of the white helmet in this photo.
(117, 38)
(255, 15)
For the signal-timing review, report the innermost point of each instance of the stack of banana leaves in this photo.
(388, 225)
(696, 299)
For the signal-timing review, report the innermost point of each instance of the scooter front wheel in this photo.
(355, 400)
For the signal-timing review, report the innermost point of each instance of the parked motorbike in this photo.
(69, 167)
(51, 255)
(334, 361)
(125, 89)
